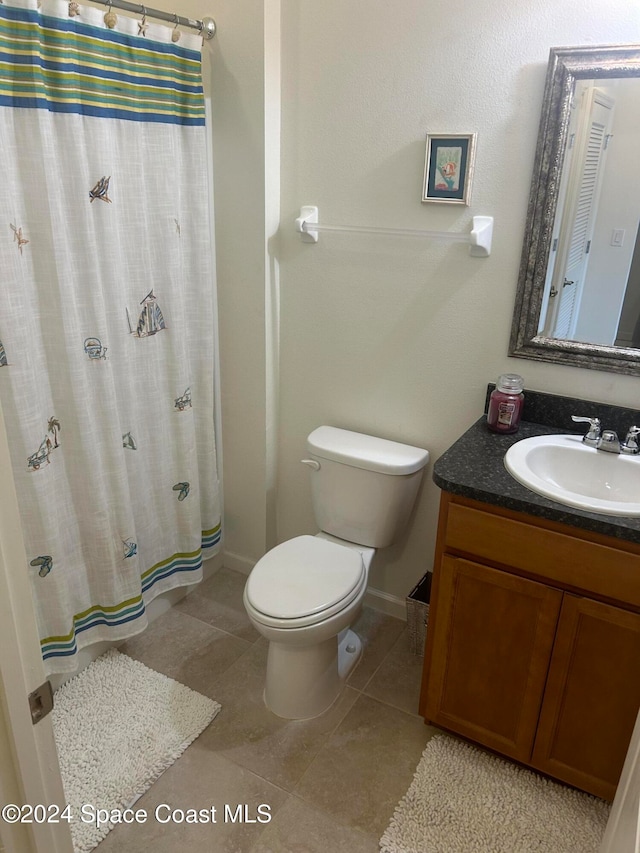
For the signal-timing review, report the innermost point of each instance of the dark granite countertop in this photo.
(473, 467)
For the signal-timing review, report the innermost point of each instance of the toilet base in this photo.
(349, 652)
(304, 681)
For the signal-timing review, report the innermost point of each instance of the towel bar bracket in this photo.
(304, 223)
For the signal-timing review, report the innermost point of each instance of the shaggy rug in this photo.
(118, 725)
(463, 800)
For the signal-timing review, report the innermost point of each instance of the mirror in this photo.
(578, 297)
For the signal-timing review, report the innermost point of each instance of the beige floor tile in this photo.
(300, 828)
(218, 601)
(187, 650)
(348, 768)
(366, 766)
(249, 734)
(397, 679)
(199, 780)
(378, 633)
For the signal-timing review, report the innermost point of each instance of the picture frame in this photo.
(448, 168)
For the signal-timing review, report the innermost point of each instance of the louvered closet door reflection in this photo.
(584, 212)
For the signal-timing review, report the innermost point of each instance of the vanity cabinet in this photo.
(533, 643)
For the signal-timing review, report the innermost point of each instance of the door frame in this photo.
(623, 829)
(35, 771)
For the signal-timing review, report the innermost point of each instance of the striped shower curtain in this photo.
(106, 315)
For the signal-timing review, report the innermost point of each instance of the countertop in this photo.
(473, 467)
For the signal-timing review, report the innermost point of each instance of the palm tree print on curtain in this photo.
(54, 428)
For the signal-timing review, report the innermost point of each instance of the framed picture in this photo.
(448, 167)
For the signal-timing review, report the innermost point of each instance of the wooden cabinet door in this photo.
(493, 636)
(592, 696)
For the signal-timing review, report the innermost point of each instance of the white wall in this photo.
(390, 335)
(239, 67)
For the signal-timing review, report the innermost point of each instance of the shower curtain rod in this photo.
(207, 26)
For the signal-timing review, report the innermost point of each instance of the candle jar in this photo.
(505, 404)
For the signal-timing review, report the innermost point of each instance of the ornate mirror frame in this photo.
(566, 65)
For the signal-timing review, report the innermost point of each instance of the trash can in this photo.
(418, 614)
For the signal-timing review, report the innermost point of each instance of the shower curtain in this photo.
(106, 315)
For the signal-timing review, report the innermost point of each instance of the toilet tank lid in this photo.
(366, 451)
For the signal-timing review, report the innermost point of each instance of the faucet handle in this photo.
(593, 433)
(630, 444)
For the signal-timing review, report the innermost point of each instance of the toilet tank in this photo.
(363, 488)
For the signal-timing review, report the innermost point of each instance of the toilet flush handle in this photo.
(311, 463)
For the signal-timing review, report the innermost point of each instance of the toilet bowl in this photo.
(304, 594)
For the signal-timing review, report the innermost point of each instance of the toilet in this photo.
(304, 594)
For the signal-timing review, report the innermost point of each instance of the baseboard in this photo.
(237, 563)
(386, 603)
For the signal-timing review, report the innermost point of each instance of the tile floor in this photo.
(331, 783)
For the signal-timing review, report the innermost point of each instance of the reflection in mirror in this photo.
(596, 221)
(579, 289)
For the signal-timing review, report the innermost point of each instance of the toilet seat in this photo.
(304, 581)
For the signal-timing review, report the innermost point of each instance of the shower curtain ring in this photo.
(110, 17)
(142, 26)
(175, 35)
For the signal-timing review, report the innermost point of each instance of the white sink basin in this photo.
(564, 469)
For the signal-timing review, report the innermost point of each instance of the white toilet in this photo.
(305, 593)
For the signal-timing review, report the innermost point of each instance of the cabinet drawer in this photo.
(556, 557)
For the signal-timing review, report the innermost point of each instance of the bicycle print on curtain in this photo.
(106, 316)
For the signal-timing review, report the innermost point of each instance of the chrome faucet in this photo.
(630, 444)
(608, 439)
(592, 437)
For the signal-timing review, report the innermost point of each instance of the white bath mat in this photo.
(463, 800)
(118, 725)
